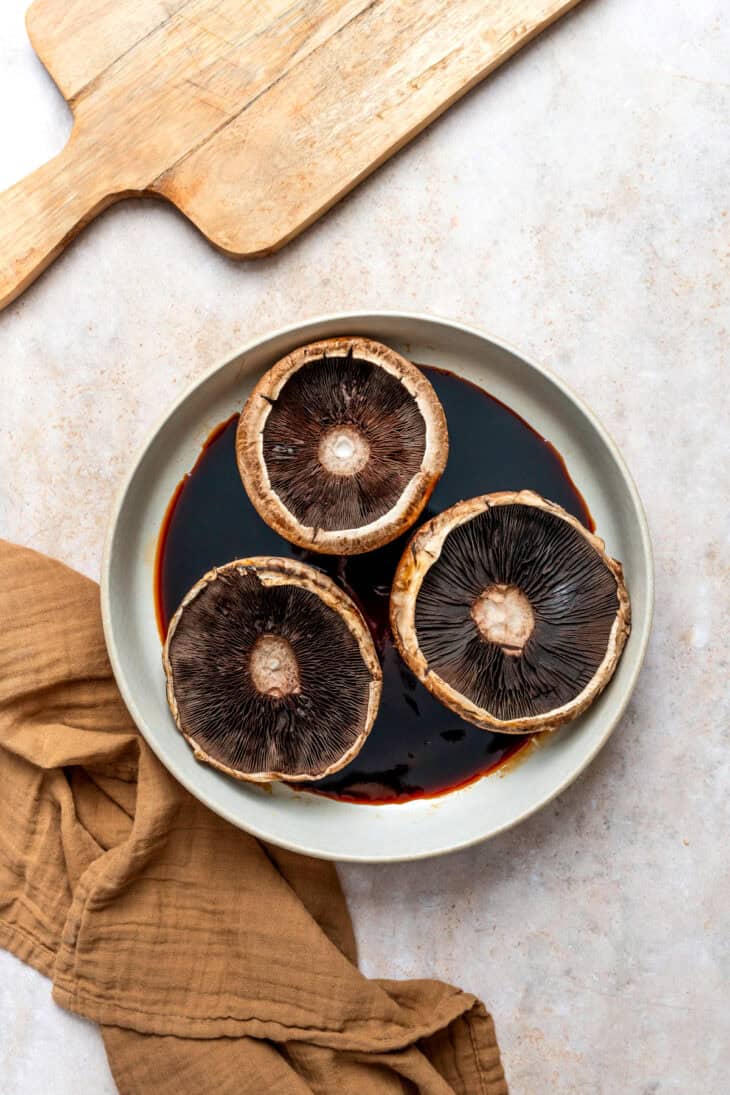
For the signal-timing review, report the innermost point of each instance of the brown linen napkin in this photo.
(213, 963)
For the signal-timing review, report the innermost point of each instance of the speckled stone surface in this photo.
(576, 205)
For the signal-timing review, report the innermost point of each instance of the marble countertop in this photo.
(576, 205)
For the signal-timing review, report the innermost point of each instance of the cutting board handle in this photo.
(41, 213)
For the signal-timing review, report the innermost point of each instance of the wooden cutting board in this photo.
(252, 116)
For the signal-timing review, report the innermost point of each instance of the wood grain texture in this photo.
(253, 118)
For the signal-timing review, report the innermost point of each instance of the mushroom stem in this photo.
(274, 667)
(504, 616)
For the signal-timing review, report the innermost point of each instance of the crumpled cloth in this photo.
(212, 962)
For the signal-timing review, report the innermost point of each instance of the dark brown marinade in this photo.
(416, 748)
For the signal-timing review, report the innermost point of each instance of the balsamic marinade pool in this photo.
(417, 748)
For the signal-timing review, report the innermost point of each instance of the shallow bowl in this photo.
(310, 823)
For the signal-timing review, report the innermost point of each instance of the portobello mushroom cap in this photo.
(510, 612)
(340, 445)
(271, 671)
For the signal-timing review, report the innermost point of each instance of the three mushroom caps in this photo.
(504, 606)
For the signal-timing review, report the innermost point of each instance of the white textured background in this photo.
(577, 205)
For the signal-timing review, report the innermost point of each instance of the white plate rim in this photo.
(353, 318)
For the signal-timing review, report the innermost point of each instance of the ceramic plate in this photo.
(310, 823)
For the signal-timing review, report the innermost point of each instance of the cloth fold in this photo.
(212, 961)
